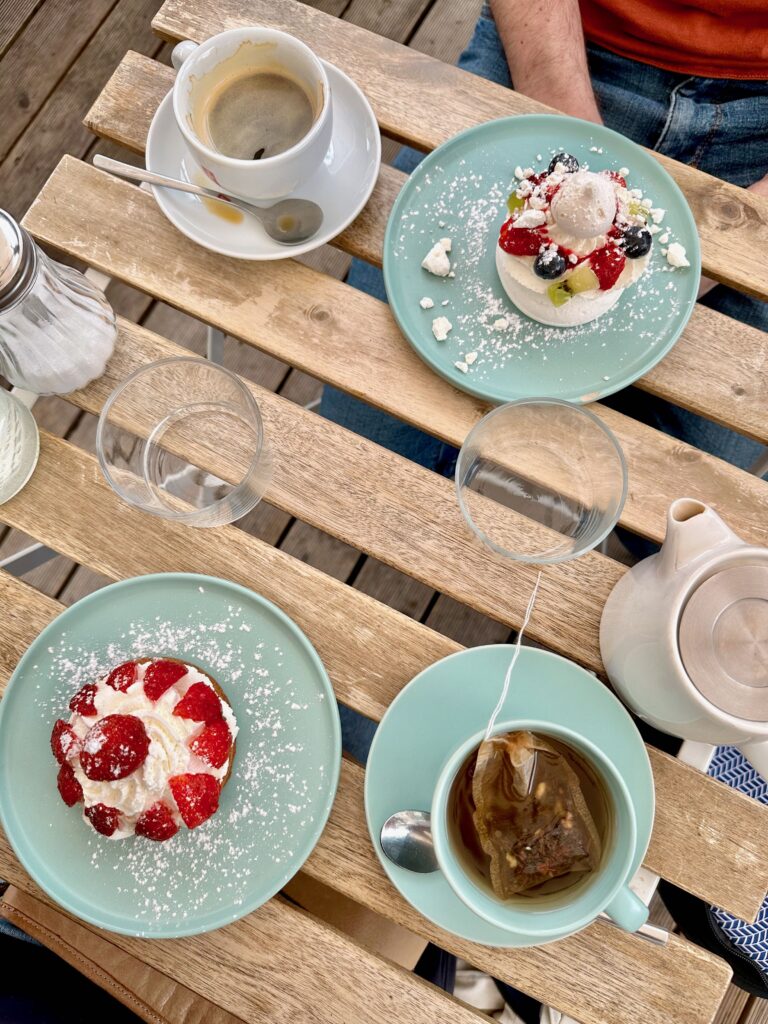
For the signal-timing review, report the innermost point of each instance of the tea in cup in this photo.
(254, 108)
(535, 831)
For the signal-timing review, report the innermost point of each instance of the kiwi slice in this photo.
(582, 279)
(514, 202)
(558, 293)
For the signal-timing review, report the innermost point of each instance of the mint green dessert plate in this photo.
(272, 809)
(459, 191)
(453, 699)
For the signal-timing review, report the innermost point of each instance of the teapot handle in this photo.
(757, 755)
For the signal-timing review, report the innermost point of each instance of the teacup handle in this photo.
(181, 51)
(627, 910)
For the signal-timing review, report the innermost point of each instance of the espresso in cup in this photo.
(254, 108)
(528, 816)
(253, 114)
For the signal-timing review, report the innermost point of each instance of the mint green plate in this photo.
(273, 807)
(448, 702)
(463, 185)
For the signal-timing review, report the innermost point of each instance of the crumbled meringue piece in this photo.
(676, 256)
(441, 325)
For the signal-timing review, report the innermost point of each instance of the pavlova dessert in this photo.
(574, 240)
(146, 749)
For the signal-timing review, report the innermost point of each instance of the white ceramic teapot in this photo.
(684, 635)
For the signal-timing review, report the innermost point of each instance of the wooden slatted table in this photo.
(707, 838)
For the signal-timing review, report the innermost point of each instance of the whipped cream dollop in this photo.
(169, 752)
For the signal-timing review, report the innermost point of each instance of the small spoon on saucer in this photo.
(289, 221)
(406, 839)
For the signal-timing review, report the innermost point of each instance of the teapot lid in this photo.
(723, 639)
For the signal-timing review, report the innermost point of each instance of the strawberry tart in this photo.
(146, 749)
(574, 241)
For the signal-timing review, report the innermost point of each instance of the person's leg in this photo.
(714, 125)
(483, 56)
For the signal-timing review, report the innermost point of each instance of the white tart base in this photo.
(579, 310)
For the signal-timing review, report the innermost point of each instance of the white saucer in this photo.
(341, 186)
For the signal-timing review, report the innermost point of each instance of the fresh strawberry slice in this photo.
(70, 789)
(213, 743)
(83, 703)
(64, 741)
(520, 241)
(199, 703)
(196, 796)
(157, 823)
(607, 264)
(160, 676)
(123, 676)
(618, 178)
(104, 819)
(114, 747)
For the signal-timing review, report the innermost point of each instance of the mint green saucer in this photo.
(459, 191)
(274, 806)
(448, 702)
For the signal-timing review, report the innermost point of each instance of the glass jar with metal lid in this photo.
(57, 330)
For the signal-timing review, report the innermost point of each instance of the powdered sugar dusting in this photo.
(278, 790)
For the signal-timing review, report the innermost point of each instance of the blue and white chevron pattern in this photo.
(732, 768)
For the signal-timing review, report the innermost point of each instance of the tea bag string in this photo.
(515, 656)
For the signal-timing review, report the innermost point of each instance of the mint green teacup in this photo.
(558, 914)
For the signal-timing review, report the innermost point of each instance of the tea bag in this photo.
(530, 813)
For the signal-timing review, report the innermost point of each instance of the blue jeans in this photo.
(714, 124)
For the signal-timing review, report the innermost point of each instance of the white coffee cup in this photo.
(271, 177)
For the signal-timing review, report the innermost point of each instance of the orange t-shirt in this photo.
(710, 38)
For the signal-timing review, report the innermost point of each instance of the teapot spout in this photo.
(693, 530)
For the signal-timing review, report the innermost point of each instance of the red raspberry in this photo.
(157, 823)
(199, 703)
(114, 747)
(70, 789)
(64, 741)
(104, 819)
(160, 676)
(213, 744)
(618, 178)
(520, 241)
(196, 796)
(83, 703)
(123, 676)
(607, 264)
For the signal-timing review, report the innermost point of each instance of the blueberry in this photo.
(570, 163)
(637, 242)
(549, 265)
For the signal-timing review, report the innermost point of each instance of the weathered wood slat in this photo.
(43, 52)
(581, 975)
(408, 92)
(57, 127)
(309, 320)
(733, 396)
(709, 840)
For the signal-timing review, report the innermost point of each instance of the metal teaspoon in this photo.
(289, 221)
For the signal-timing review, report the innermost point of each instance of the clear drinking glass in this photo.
(184, 439)
(541, 480)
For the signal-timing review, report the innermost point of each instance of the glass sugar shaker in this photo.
(57, 330)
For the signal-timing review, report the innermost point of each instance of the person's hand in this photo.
(761, 188)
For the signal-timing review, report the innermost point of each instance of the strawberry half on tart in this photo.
(146, 749)
(574, 240)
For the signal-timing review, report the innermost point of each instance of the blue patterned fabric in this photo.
(732, 768)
